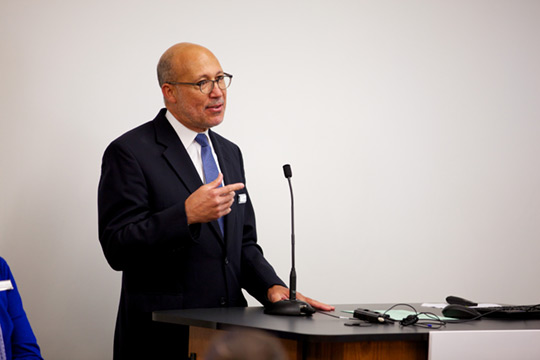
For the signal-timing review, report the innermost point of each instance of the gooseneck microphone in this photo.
(292, 306)
(292, 277)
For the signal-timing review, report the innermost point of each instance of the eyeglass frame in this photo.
(200, 83)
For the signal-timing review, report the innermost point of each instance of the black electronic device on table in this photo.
(460, 308)
(372, 316)
(458, 311)
(517, 312)
(456, 300)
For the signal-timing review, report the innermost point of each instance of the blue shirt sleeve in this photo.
(19, 339)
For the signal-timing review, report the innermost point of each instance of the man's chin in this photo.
(214, 122)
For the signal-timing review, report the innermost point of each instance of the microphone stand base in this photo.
(289, 308)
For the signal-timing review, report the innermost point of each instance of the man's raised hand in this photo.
(210, 202)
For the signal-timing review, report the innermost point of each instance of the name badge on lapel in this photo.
(6, 285)
(242, 198)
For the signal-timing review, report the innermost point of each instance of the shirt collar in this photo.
(187, 136)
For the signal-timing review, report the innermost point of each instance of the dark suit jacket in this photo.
(146, 177)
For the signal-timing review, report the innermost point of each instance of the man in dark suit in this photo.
(160, 214)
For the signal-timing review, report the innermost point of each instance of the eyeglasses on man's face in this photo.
(207, 86)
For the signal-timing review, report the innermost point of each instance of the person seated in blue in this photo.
(17, 340)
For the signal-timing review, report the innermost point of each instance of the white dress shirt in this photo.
(193, 148)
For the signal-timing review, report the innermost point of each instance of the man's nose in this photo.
(216, 91)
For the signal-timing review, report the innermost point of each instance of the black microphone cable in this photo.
(432, 322)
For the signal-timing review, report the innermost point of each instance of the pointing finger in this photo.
(217, 181)
(232, 187)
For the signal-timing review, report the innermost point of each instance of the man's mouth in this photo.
(215, 107)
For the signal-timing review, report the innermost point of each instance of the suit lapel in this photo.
(223, 157)
(176, 155)
(224, 164)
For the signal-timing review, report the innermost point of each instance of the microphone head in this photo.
(287, 171)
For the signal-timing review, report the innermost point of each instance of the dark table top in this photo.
(323, 328)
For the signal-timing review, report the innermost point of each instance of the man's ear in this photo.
(168, 93)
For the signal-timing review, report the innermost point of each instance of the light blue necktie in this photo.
(210, 168)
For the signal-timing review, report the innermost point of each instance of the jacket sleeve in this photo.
(258, 275)
(129, 230)
(21, 341)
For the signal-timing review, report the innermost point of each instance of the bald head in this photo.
(176, 61)
(181, 70)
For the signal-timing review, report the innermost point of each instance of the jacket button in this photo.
(222, 301)
(226, 261)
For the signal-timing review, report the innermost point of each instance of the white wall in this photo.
(412, 128)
